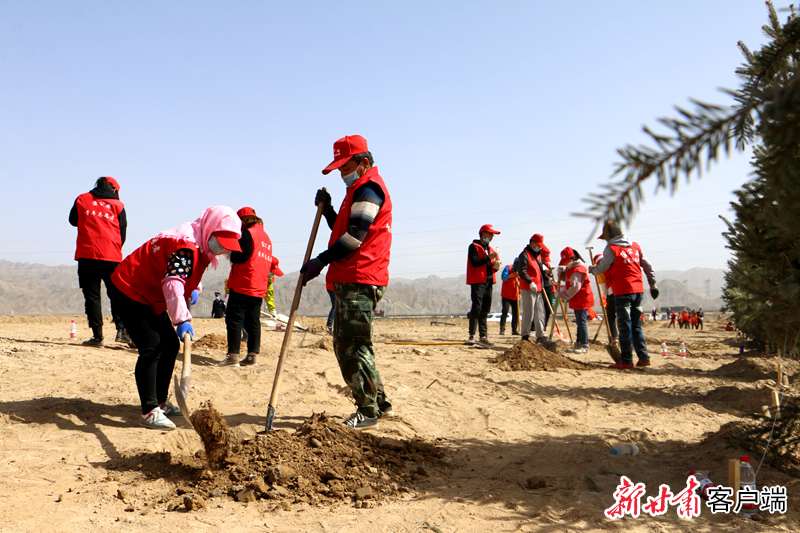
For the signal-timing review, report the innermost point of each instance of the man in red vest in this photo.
(482, 264)
(624, 260)
(358, 267)
(532, 294)
(102, 223)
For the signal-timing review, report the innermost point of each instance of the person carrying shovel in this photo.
(150, 289)
(358, 266)
(623, 260)
(578, 291)
(531, 293)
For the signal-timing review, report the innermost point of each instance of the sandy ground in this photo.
(514, 450)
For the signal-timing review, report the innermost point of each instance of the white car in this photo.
(493, 317)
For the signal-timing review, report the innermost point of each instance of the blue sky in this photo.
(476, 112)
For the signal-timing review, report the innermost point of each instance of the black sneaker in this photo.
(122, 336)
(526, 337)
(385, 409)
(94, 341)
(359, 421)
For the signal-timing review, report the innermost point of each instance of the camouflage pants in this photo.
(352, 343)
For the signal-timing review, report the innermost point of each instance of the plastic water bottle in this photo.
(747, 478)
(73, 331)
(705, 483)
(625, 449)
(664, 349)
(682, 351)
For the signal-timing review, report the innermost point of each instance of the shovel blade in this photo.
(614, 352)
(181, 398)
(186, 383)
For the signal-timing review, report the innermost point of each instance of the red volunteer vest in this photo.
(139, 276)
(509, 289)
(98, 228)
(626, 271)
(585, 297)
(478, 274)
(369, 264)
(534, 272)
(252, 277)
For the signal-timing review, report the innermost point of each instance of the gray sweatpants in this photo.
(532, 311)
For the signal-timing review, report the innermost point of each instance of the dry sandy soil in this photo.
(510, 438)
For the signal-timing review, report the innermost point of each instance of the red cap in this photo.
(112, 182)
(537, 238)
(744, 458)
(566, 256)
(274, 268)
(488, 228)
(228, 240)
(243, 212)
(344, 149)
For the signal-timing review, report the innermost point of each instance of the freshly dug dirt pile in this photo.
(325, 343)
(322, 462)
(215, 433)
(528, 356)
(212, 341)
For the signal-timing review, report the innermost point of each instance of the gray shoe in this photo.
(359, 421)
(232, 359)
(170, 410)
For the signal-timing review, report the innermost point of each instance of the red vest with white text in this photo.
(477, 274)
(369, 264)
(252, 277)
(584, 299)
(98, 228)
(534, 272)
(139, 276)
(626, 271)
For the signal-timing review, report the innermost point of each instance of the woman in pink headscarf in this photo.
(151, 289)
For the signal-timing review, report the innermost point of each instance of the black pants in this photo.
(514, 305)
(548, 295)
(243, 311)
(481, 304)
(611, 316)
(90, 273)
(158, 346)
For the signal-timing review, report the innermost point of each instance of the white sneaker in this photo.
(156, 419)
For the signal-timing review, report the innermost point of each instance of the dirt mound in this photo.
(325, 343)
(212, 341)
(745, 400)
(749, 368)
(528, 356)
(322, 462)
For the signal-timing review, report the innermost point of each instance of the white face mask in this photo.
(350, 178)
(215, 247)
(537, 249)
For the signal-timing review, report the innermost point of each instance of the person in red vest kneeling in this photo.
(578, 291)
(247, 286)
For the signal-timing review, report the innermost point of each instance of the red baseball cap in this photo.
(228, 240)
(537, 238)
(488, 228)
(274, 268)
(344, 149)
(566, 256)
(112, 182)
(243, 212)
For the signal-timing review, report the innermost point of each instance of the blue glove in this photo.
(311, 270)
(195, 295)
(504, 275)
(184, 328)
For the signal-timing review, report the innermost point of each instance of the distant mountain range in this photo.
(35, 289)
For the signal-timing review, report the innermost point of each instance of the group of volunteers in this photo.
(529, 281)
(687, 319)
(152, 289)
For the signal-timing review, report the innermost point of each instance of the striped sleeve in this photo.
(367, 202)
